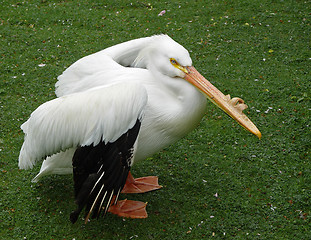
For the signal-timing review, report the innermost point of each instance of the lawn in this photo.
(220, 182)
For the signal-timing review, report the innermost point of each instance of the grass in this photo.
(219, 182)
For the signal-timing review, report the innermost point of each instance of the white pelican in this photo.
(116, 107)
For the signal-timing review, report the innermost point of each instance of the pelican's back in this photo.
(82, 74)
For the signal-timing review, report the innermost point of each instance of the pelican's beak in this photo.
(233, 107)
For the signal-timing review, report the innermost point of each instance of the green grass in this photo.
(257, 50)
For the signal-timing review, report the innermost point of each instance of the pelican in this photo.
(114, 108)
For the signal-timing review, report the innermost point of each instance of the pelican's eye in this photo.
(177, 65)
(173, 61)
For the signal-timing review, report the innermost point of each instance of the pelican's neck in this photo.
(126, 53)
(181, 90)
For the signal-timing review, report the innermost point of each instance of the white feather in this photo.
(81, 119)
(56, 164)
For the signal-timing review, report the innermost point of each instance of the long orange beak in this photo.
(233, 107)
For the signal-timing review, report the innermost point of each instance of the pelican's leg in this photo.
(129, 209)
(140, 185)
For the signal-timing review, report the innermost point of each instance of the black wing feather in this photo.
(100, 172)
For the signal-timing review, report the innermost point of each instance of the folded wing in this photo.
(81, 119)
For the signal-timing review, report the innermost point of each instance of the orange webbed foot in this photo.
(129, 209)
(140, 185)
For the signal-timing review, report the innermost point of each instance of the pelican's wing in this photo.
(81, 119)
(103, 123)
(100, 173)
(80, 75)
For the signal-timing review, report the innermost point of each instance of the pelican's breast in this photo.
(167, 119)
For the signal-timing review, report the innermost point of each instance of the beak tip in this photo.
(258, 134)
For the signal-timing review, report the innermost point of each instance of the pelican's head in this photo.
(159, 54)
(173, 60)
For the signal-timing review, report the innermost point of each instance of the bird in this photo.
(114, 108)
